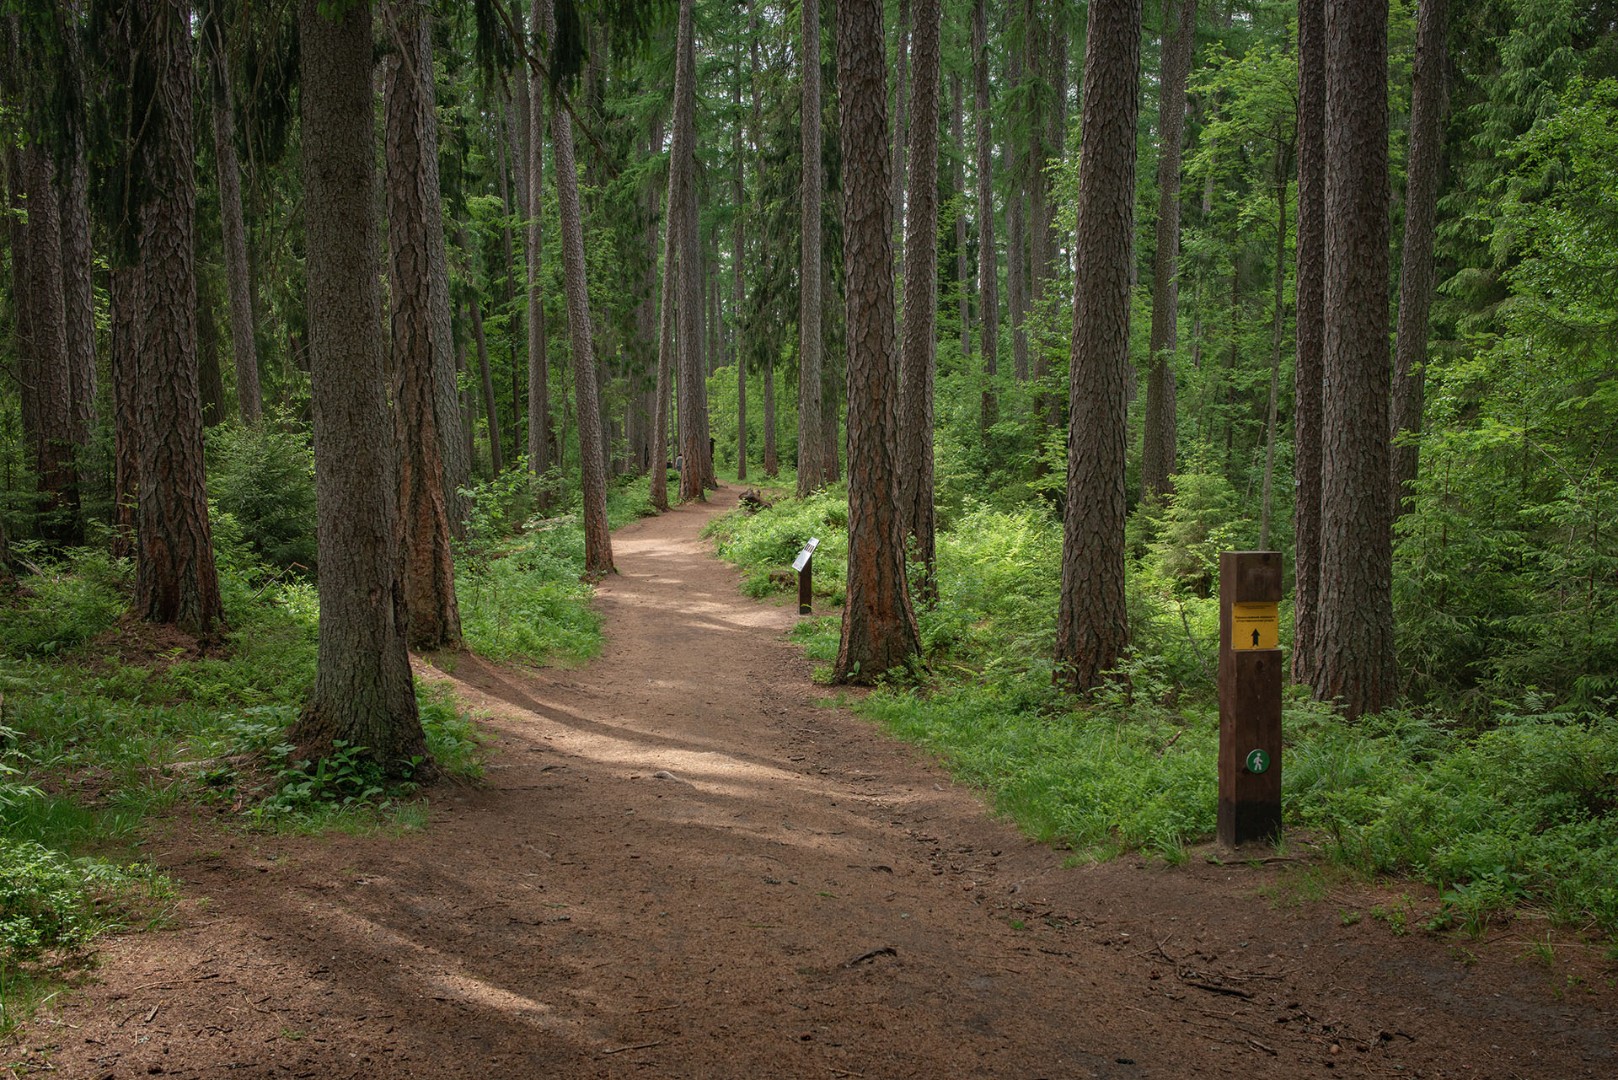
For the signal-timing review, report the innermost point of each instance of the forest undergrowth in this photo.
(107, 722)
(1509, 816)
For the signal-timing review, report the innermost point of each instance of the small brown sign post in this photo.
(1249, 696)
(804, 564)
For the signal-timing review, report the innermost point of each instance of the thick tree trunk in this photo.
(693, 434)
(915, 431)
(1309, 368)
(363, 693)
(879, 627)
(1092, 628)
(1158, 443)
(175, 579)
(123, 302)
(901, 142)
(1356, 539)
(811, 471)
(988, 275)
(1427, 108)
(592, 468)
(243, 346)
(46, 375)
(78, 254)
(425, 417)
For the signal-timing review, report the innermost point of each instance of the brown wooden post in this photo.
(804, 564)
(806, 590)
(1249, 697)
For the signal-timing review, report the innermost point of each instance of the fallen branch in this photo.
(885, 950)
(636, 1046)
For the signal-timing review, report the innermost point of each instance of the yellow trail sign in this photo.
(1255, 626)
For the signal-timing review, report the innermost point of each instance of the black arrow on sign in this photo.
(1255, 639)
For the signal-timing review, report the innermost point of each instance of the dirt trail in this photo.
(681, 866)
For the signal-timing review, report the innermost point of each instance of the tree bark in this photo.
(363, 694)
(901, 142)
(988, 275)
(693, 434)
(1092, 628)
(1278, 324)
(915, 430)
(243, 346)
(1158, 444)
(539, 393)
(78, 254)
(1427, 108)
(963, 272)
(592, 467)
(738, 283)
(811, 471)
(879, 627)
(46, 375)
(123, 301)
(1356, 540)
(425, 408)
(1309, 368)
(175, 579)
(490, 410)
(1015, 160)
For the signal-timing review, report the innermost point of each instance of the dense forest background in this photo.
(378, 298)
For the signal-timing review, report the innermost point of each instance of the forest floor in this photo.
(681, 863)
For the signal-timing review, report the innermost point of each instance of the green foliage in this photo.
(765, 544)
(264, 478)
(65, 604)
(49, 901)
(519, 577)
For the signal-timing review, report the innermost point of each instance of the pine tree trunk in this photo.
(1158, 443)
(210, 380)
(363, 693)
(425, 417)
(1427, 108)
(665, 351)
(901, 142)
(490, 410)
(811, 472)
(1356, 539)
(123, 302)
(915, 431)
(539, 391)
(175, 579)
(1309, 368)
(1015, 166)
(879, 627)
(243, 345)
(988, 275)
(1092, 628)
(963, 272)
(693, 435)
(738, 285)
(1040, 91)
(1278, 324)
(78, 254)
(47, 378)
(592, 468)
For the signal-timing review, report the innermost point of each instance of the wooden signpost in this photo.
(1249, 696)
(804, 564)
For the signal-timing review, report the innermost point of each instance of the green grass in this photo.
(1520, 818)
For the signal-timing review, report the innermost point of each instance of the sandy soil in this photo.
(682, 865)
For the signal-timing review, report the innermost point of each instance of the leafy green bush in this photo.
(63, 605)
(264, 478)
(765, 544)
(47, 900)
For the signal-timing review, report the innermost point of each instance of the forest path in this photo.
(680, 865)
